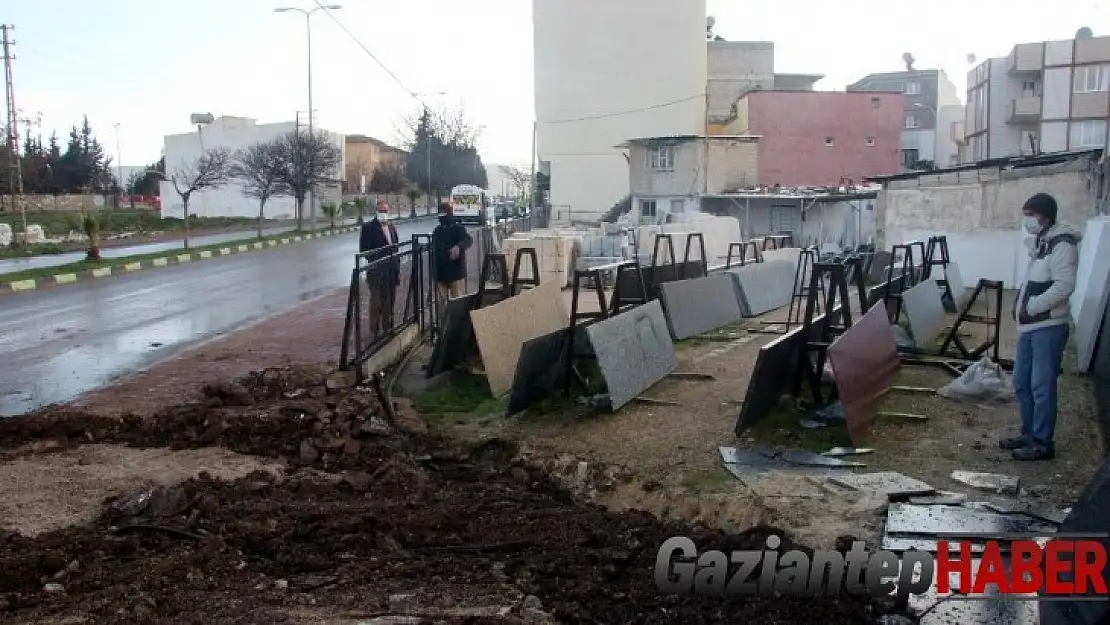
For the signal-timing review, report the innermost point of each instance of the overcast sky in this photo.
(148, 64)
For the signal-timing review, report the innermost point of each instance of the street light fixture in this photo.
(311, 133)
(119, 163)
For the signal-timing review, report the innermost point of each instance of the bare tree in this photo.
(258, 169)
(210, 170)
(520, 177)
(306, 160)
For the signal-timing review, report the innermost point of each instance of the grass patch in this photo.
(82, 266)
(59, 223)
(463, 400)
(706, 481)
(780, 428)
(19, 251)
(719, 336)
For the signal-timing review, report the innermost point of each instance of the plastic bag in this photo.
(982, 380)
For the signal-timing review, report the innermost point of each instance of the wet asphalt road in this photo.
(58, 343)
(11, 265)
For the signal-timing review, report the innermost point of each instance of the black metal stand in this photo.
(517, 283)
(618, 304)
(818, 333)
(778, 241)
(494, 264)
(806, 260)
(690, 238)
(936, 255)
(904, 281)
(993, 321)
(743, 247)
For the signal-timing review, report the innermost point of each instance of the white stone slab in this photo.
(956, 285)
(1091, 287)
(764, 286)
(925, 312)
(700, 305)
(791, 254)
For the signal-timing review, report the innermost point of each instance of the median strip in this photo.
(73, 273)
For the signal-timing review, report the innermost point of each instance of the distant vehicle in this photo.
(470, 204)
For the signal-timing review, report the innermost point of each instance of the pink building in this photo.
(821, 138)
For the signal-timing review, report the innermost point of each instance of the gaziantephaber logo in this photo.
(1009, 567)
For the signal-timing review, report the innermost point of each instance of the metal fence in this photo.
(393, 288)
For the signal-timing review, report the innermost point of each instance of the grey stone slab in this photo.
(776, 482)
(880, 262)
(899, 543)
(839, 452)
(764, 286)
(700, 305)
(941, 498)
(890, 483)
(748, 461)
(925, 312)
(810, 459)
(986, 609)
(1050, 514)
(995, 482)
(634, 351)
(540, 370)
(456, 342)
(959, 522)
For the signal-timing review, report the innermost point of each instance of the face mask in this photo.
(384, 216)
(1032, 225)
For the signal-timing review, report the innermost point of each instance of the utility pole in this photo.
(119, 169)
(15, 164)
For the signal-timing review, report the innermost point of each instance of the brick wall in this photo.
(795, 129)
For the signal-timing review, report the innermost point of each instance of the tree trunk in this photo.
(298, 200)
(93, 252)
(185, 215)
(261, 211)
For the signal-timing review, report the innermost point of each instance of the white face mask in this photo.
(384, 216)
(1032, 225)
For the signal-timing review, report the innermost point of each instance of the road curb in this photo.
(169, 260)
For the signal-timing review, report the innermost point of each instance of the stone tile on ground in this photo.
(310, 333)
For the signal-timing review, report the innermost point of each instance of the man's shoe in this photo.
(1034, 452)
(1016, 442)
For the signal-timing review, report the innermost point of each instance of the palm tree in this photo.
(90, 223)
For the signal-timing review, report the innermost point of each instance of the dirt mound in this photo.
(365, 521)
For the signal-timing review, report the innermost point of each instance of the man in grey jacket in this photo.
(1042, 314)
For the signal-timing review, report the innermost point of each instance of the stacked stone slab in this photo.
(700, 305)
(765, 286)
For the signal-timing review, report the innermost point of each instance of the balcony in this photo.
(1025, 58)
(1023, 110)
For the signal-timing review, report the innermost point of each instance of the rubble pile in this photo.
(370, 519)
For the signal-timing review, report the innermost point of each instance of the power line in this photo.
(370, 54)
(626, 112)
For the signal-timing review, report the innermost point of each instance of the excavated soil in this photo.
(369, 518)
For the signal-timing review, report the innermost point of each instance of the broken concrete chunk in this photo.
(941, 498)
(890, 483)
(996, 482)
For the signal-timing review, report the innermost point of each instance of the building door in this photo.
(785, 218)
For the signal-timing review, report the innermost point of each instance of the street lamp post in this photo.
(311, 134)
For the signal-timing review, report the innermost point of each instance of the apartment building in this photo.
(737, 67)
(821, 138)
(931, 107)
(606, 72)
(364, 155)
(1049, 96)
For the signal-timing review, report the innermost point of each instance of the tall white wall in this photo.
(232, 133)
(593, 59)
(1005, 139)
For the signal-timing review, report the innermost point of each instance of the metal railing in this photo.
(393, 288)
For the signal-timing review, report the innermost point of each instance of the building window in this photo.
(876, 102)
(1092, 78)
(1088, 134)
(911, 121)
(913, 88)
(871, 142)
(678, 206)
(909, 157)
(647, 208)
(829, 142)
(661, 158)
(1029, 89)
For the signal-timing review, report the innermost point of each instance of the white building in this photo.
(1048, 96)
(235, 133)
(606, 72)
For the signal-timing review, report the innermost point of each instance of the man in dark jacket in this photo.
(378, 240)
(449, 244)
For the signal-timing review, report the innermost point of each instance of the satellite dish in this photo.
(1084, 33)
(971, 59)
